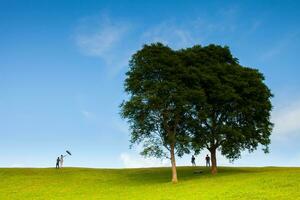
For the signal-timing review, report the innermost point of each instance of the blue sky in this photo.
(62, 66)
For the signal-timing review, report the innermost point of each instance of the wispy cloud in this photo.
(114, 40)
(132, 161)
(98, 36)
(104, 37)
(197, 30)
(170, 33)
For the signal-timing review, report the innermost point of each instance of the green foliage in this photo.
(200, 97)
(235, 115)
(158, 101)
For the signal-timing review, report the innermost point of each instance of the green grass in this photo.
(150, 183)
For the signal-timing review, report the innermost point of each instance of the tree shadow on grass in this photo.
(163, 175)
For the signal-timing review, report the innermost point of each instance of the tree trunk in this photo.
(173, 162)
(213, 161)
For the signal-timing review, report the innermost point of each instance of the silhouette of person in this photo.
(61, 160)
(207, 158)
(193, 160)
(57, 163)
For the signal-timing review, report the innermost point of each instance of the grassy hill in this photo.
(150, 183)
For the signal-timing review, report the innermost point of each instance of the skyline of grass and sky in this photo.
(63, 63)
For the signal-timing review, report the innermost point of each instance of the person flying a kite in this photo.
(62, 158)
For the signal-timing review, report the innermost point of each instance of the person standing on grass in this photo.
(57, 163)
(61, 160)
(193, 160)
(207, 158)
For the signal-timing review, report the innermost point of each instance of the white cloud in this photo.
(287, 120)
(181, 34)
(110, 38)
(135, 161)
(97, 36)
(169, 33)
(104, 37)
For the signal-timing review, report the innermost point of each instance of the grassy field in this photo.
(150, 183)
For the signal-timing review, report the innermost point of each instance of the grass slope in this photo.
(150, 183)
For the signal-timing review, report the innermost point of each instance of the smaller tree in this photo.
(158, 103)
(235, 115)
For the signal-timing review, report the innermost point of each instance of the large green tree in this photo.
(235, 115)
(159, 102)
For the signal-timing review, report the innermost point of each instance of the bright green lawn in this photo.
(143, 184)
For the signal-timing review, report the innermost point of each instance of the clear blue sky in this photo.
(62, 66)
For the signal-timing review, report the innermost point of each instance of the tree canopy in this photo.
(195, 98)
(235, 115)
(158, 102)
